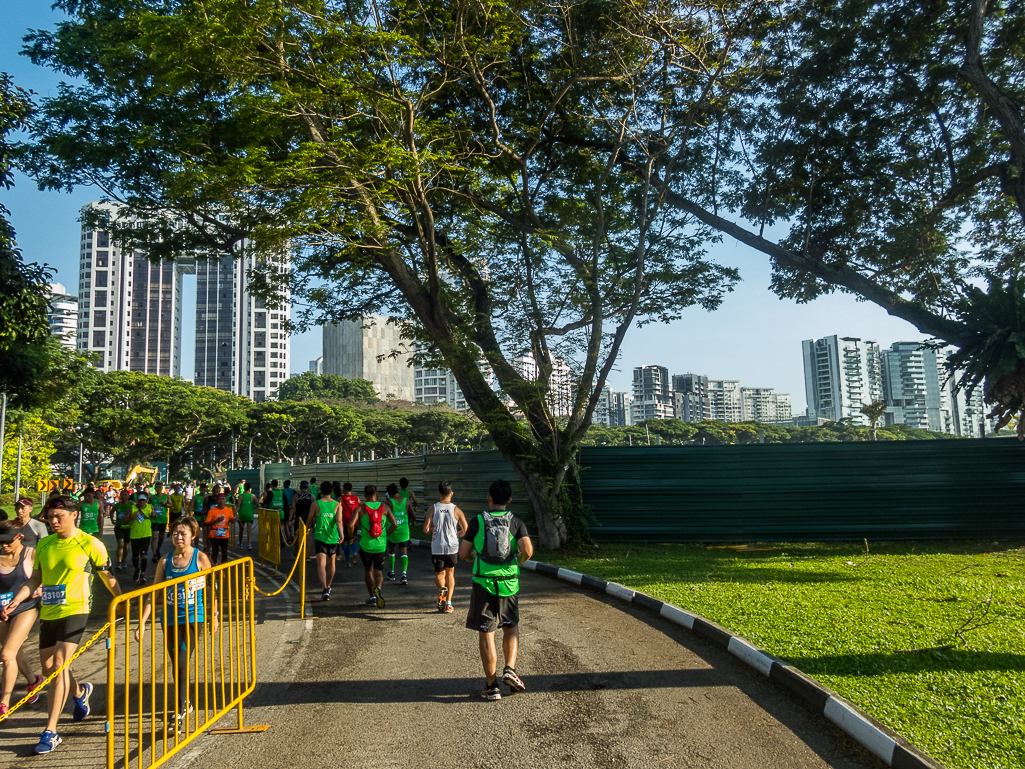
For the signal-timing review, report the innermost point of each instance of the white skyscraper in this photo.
(724, 400)
(371, 349)
(763, 404)
(129, 309)
(63, 315)
(561, 385)
(652, 396)
(841, 373)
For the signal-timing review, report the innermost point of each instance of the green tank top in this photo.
(497, 579)
(160, 503)
(401, 533)
(368, 543)
(278, 502)
(325, 529)
(90, 518)
(245, 503)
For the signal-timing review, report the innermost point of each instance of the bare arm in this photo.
(340, 520)
(147, 607)
(392, 523)
(461, 524)
(26, 590)
(526, 549)
(466, 550)
(427, 520)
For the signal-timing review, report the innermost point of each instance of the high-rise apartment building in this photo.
(652, 396)
(561, 386)
(841, 373)
(437, 385)
(371, 349)
(130, 313)
(129, 310)
(317, 365)
(690, 393)
(242, 343)
(63, 315)
(763, 404)
(613, 408)
(724, 400)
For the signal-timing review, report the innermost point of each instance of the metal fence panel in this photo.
(820, 491)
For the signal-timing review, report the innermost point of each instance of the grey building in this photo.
(371, 349)
(841, 373)
(63, 315)
(692, 401)
(652, 396)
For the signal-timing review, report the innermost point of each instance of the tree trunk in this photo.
(543, 480)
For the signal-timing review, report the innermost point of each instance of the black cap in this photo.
(9, 535)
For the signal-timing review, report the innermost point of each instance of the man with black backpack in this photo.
(497, 542)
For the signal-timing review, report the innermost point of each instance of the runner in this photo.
(141, 534)
(374, 541)
(32, 529)
(497, 542)
(190, 494)
(327, 520)
(91, 513)
(277, 502)
(350, 503)
(300, 512)
(409, 496)
(287, 495)
(245, 508)
(182, 627)
(121, 516)
(398, 541)
(218, 528)
(63, 565)
(446, 524)
(175, 503)
(15, 571)
(160, 502)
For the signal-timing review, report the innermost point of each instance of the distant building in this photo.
(652, 396)
(840, 375)
(724, 400)
(561, 388)
(63, 315)
(371, 349)
(613, 409)
(690, 393)
(317, 365)
(764, 404)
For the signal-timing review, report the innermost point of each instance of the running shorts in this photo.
(323, 547)
(159, 528)
(444, 561)
(121, 534)
(245, 517)
(393, 546)
(375, 560)
(488, 611)
(67, 630)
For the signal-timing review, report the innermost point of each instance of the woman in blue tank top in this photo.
(185, 609)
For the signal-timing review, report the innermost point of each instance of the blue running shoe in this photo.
(82, 703)
(48, 742)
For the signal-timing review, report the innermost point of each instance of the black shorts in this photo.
(323, 547)
(488, 612)
(122, 534)
(446, 561)
(393, 546)
(158, 528)
(67, 630)
(375, 560)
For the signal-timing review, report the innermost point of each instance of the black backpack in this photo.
(497, 539)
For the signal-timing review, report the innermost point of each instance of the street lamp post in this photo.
(251, 450)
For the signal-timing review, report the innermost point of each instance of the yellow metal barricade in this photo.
(268, 533)
(210, 655)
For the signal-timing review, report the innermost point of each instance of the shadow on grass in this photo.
(923, 661)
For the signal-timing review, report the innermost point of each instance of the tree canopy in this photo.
(309, 386)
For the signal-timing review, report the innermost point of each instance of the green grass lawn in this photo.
(866, 626)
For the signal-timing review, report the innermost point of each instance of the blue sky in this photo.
(754, 336)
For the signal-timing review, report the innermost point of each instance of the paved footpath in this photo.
(607, 686)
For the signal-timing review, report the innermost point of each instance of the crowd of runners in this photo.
(48, 561)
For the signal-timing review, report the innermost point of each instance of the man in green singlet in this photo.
(497, 543)
(409, 496)
(370, 518)
(91, 513)
(245, 507)
(327, 520)
(398, 542)
(159, 502)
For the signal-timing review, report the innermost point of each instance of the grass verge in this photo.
(929, 638)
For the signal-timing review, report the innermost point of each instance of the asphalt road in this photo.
(607, 686)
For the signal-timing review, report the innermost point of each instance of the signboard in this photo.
(63, 484)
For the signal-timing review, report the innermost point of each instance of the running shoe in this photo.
(448, 608)
(442, 599)
(326, 595)
(33, 689)
(391, 576)
(142, 580)
(510, 679)
(371, 601)
(4, 710)
(250, 548)
(403, 581)
(82, 703)
(491, 692)
(379, 599)
(48, 742)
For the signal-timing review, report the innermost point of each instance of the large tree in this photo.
(886, 139)
(473, 169)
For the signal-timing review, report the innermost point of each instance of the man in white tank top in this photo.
(446, 524)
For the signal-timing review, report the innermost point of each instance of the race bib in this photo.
(187, 591)
(141, 518)
(220, 532)
(55, 595)
(158, 509)
(5, 598)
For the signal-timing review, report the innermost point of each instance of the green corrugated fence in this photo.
(752, 492)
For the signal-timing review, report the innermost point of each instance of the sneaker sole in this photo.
(515, 684)
(379, 597)
(494, 697)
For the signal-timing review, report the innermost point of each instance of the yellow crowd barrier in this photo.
(210, 664)
(300, 563)
(268, 534)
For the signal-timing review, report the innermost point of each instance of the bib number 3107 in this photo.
(55, 595)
